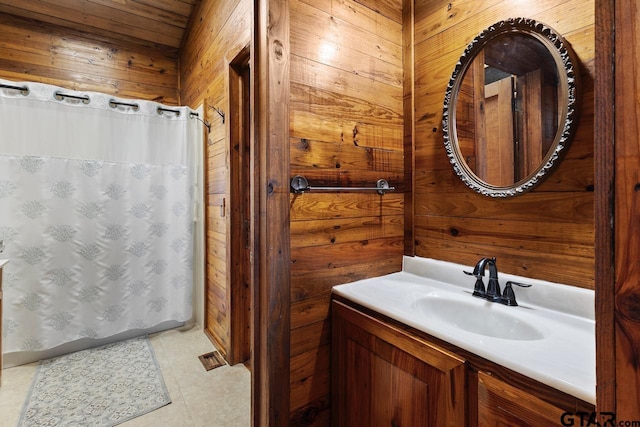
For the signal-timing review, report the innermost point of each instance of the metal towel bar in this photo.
(299, 185)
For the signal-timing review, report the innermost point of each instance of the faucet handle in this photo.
(508, 296)
(478, 288)
(522, 285)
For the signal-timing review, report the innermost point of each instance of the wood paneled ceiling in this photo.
(161, 22)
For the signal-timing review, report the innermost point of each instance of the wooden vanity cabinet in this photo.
(500, 404)
(388, 374)
(383, 376)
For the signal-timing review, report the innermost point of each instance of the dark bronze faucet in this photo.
(478, 273)
(493, 288)
(508, 296)
(493, 293)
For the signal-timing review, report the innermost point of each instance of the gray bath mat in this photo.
(102, 386)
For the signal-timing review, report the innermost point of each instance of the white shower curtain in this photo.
(96, 212)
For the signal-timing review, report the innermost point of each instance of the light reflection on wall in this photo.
(327, 51)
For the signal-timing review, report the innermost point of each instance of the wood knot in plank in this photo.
(628, 303)
(278, 49)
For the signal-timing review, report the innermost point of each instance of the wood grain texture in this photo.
(217, 321)
(270, 73)
(384, 376)
(211, 43)
(154, 22)
(239, 222)
(566, 197)
(605, 207)
(220, 30)
(501, 404)
(475, 364)
(46, 53)
(408, 58)
(386, 8)
(627, 208)
(310, 379)
(346, 129)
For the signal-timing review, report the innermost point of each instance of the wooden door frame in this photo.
(271, 231)
(239, 297)
(617, 210)
(408, 107)
(605, 200)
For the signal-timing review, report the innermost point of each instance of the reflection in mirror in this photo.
(509, 92)
(513, 97)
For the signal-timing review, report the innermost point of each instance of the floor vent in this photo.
(212, 360)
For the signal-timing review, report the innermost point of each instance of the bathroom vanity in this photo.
(416, 348)
(2, 264)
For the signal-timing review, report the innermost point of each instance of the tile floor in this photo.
(217, 398)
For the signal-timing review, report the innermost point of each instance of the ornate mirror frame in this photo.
(568, 73)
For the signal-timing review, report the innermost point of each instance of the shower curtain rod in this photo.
(23, 89)
(61, 96)
(112, 103)
(220, 113)
(194, 115)
(168, 110)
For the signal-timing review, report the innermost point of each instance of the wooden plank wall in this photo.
(45, 53)
(547, 233)
(219, 31)
(162, 22)
(346, 118)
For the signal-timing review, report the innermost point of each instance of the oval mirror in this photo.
(510, 108)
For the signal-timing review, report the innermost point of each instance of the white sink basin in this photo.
(549, 336)
(479, 317)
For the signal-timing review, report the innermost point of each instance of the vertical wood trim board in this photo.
(408, 59)
(627, 212)
(604, 206)
(272, 308)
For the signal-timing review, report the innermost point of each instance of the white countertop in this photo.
(3, 262)
(564, 358)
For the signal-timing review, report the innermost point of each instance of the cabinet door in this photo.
(500, 404)
(383, 376)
